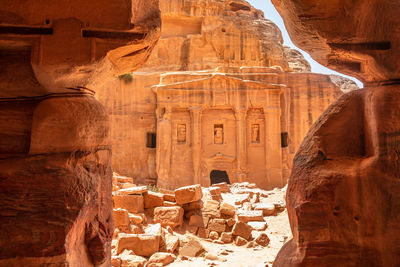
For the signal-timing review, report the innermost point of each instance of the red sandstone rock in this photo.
(160, 259)
(169, 216)
(153, 199)
(191, 248)
(211, 209)
(240, 241)
(227, 209)
(242, 229)
(169, 197)
(197, 220)
(213, 235)
(132, 203)
(262, 239)
(223, 187)
(258, 226)
(188, 194)
(141, 244)
(226, 237)
(171, 243)
(250, 215)
(217, 225)
(197, 205)
(135, 190)
(268, 209)
(121, 218)
(203, 233)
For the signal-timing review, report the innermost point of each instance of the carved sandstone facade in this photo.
(219, 92)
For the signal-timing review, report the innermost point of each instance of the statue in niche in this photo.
(218, 134)
(255, 133)
(181, 133)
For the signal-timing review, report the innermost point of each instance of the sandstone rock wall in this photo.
(55, 148)
(343, 192)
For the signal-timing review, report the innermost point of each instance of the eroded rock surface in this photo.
(55, 150)
(343, 192)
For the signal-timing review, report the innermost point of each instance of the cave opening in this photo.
(218, 176)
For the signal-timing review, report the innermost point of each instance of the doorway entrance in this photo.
(217, 176)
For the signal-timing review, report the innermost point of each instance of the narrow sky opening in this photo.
(272, 14)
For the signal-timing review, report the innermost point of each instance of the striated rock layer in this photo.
(55, 149)
(220, 93)
(343, 194)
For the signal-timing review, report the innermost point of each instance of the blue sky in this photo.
(270, 13)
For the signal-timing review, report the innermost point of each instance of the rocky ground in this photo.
(223, 225)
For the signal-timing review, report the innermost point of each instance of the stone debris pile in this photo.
(158, 228)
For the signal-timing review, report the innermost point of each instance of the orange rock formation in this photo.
(343, 194)
(55, 169)
(220, 93)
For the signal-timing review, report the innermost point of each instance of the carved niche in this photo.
(181, 133)
(218, 134)
(255, 133)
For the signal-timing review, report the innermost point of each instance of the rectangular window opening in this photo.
(151, 140)
(284, 139)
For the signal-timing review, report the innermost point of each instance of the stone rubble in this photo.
(176, 227)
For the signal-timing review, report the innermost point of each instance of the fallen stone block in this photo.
(262, 239)
(240, 241)
(160, 259)
(135, 219)
(191, 248)
(137, 190)
(121, 218)
(226, 237)
(188, 194)
(153, 199)
(227, 209)
(131, 203)
(217, 225)
(213, 235)
(141, 244)
(211, 209)
(242, 229)
(250, 215)
(268, 209)
(258, 226)
(203, 233)
(223, 187)
(169, 216)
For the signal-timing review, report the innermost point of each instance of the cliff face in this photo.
(219, 68)
(55, 148)
(343, 193)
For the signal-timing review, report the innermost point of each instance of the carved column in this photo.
(273, 151)
(195, 118)
(241, 149)
(163, 158)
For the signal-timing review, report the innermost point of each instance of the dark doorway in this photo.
(217, 177)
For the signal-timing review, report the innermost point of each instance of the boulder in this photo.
(224, 188)
(226, 237)
(169, 197)
(169, 216)
(171, 243)
(203, 233)
(240, 241)
(121, 218)
(153, 199)
(217, 225)
(227, 209)
(161, 259)
(193, 206)
(214, 235)
(128, 259)
(187, 194)
(250, 215)
(262, 239)
(258, 226)
(136, 190)
(211, 209)
(135, 219)
(132, 203)
(242, 229)
(268, 209)
(198, 220)
(141, 244)
(191, 248)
